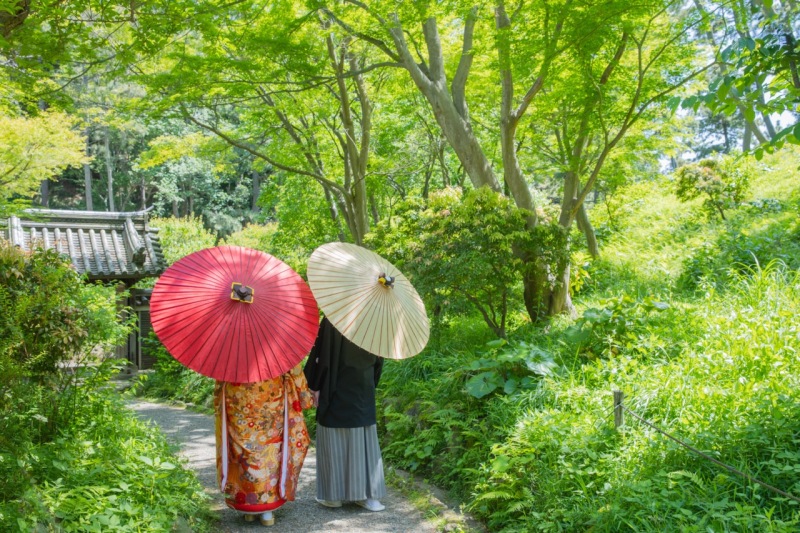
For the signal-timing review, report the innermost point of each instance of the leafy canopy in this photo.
(36, 149)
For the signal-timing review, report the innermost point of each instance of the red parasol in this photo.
(234, 314)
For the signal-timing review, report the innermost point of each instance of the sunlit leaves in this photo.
(36, 149)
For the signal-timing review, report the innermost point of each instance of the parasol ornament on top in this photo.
(368, 300)
(197, 312)
(242, 293)
(386, 281)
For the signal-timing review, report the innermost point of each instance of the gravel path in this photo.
(194, 433)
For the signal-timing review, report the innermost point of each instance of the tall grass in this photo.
(733, 395)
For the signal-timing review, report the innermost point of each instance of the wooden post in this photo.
(619, 416)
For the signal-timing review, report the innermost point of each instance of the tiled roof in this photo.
(104, 245)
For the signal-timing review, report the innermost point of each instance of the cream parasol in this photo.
(368, 300)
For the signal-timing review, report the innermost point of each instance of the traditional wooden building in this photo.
(111, 247)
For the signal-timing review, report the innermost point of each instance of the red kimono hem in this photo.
(255, 508)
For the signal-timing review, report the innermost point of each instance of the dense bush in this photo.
(51, 322)
(49, 316)
(746, 241)
(181, 236)
(71, 457)
(107, 471)
(460, 250)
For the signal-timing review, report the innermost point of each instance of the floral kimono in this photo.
(262, 440)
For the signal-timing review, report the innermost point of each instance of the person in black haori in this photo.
(343, 378)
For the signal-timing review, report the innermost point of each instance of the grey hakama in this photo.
(349, 464)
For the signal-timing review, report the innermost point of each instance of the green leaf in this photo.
(483, 384)
(688, 103)
(500, 464)
(723, 91)
(673, 103)
(541, 368)
(511, 386)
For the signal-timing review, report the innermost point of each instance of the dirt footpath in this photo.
(194, 433)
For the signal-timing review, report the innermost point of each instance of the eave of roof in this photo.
(103, 245)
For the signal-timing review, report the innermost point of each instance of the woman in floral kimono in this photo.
(262, 442)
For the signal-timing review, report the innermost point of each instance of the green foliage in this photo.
(428, 422)
(255, 236)
(72, 458)
(508, 367)
(105, 471)
(49, 315)
(715, 368)
(764, 229)
(729, 394)
(620, 324)
(722, 182)
(760, 54)
(745, 242)
(36, 149)
(182, 236)
(579, 273)
(303, 218)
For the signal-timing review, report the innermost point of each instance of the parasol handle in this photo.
(386, 281)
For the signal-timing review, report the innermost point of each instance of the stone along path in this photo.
(194, 434)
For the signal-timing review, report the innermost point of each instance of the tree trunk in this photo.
(747, 138)
(109, 171)
(588, 231)
(44, 192)
(432, 83)
(537, 292)
(334, 211)
(87, 177)
(255, 192)
(726, 135)
(373, 208)
(87, 184)
(13, 16)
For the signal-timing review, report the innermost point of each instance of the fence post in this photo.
(619, 416)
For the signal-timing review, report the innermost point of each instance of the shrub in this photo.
(722, 183)
(744, 243)
(171, 380)
(619, 324)
(51, 319)
(460, 252)
(71, 457)
(108, 471)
